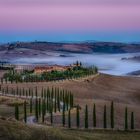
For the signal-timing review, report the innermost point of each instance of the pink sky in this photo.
(69, 15)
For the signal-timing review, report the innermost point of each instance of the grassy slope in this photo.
(12, 130)
(124, 91)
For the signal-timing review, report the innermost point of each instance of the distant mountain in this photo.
(81, 47)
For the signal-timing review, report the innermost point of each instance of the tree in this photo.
(42, 92)
(132, 120)
(94, 115)
(69, 118)
(39, 107)
(126, 119)
(112, 115)
(105, 117)
(86, 117)
(55, 103)
(51, 112)
(63, 114)
(25, 112)
(16, 112)
(36, 94)
(36, 109)
(43, 109)
(31, 105)
(77, 117)
(58, 101)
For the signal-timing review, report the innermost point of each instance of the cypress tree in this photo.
(126, 119)
(36, 94)
(94, 115)
(25, 112)
(42, 92)
(32, 93)
(71, 100)
(26, 93)
(29, 92)
(20, 92)
(112, 115)
(52, 93)
(31, 105)
(51, 112)
(55, 103)
(69, 118)
(132, 120)
(86, 117)
(105, 118)
(17, 91)
(23, 91)
(47, 103)
(16, 112)
(58, 101)
(36, 109)
(77, 117)
(43, 109)
(45, 106)
(63, 114)
(45, 93)
(39, 107)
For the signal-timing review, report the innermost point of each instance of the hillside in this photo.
(30, 49)
(13, 130)
(100, 89)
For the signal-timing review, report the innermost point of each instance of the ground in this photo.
(101, 90)
(13, 130)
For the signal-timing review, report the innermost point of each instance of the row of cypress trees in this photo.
(50, 101)
(40, 110)
(48, 93)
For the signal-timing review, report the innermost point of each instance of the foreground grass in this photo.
(13, 130)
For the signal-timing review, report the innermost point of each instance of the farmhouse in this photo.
(38, 70)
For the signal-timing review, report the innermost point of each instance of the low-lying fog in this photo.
(107, 63)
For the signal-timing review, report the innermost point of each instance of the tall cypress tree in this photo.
(31, 105)
(86, 117)
(94, 115)
(58, 101)
(23, 92)
(36, 109)
(39, 107)
(51, 112)
(55, 102)
(112, 115)
(126, 119)
(16, 112)
(69, 118)
(63, 114)
(32, 93)
(105, 118)
(43, 110)
(0, 88)
(132, 120)
(25, 112)
(47, 104)
(42, 92)
(36, 94)
(77, 117)
(26, 93)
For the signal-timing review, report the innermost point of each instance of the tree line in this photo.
(40, 111)
(76, 71)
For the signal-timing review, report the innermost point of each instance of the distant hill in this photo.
(40, 48)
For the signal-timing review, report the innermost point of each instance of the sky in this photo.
(70, 20)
